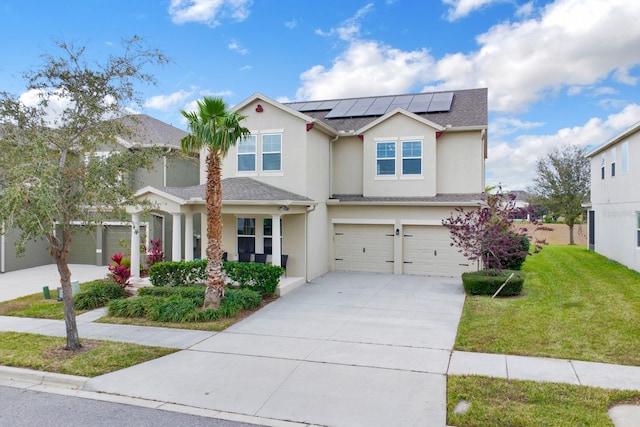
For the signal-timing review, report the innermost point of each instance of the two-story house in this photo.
(356, 184)
(97, 246)
(614, 212)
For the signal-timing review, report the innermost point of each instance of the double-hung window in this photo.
(386, 158)
(272, 152)
(624, 157)
(267, 228)
(411, 157)
(613, 161)
(246, 235)
(603, 161)
(247, 154)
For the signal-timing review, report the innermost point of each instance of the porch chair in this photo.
(261, 258)
(246, 257)
(283, 263)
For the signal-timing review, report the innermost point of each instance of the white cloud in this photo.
(235, 46)
(462, 8)
(513, 164)
(525, 10)
(208, 11)
(291, 24)
(349, 30)
(503, 126)
(167, 102)
(570, 45)
(366, 65)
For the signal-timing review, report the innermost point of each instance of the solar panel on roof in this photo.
(441, 102)
(311, 106)
(402, 101)
(379, 106)
(359, 107)
(342, 107)
(296, 105)
(420, 103)
(328, 105)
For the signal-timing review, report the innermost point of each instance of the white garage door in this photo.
(367, 248)
(427, 251)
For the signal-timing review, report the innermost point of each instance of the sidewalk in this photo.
(336, 352)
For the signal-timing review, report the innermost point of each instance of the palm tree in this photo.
(217, 129)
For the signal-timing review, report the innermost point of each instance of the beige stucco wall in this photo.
(616, 202)
(346, 167)
(460, 162)
(399, 128)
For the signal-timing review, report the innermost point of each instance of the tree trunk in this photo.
(61, 256)
(215, 281)
(571, 241)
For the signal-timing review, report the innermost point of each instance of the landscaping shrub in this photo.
(487, 282)
(182, 304)
(120, 270)
(97, 294)
(514, 256)
(263, 278)
(178, 273)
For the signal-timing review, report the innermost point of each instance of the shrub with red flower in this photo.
(119, 271)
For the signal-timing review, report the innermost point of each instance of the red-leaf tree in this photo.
(486, 235)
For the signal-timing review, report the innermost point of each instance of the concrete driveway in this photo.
(347, 349)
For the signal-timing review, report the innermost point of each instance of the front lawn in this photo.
(500, 402)
(576, 304)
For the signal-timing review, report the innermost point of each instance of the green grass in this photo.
(34, 306)
(500, 402)
(44, 353)
(576, 304)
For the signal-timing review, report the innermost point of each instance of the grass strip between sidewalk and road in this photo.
(500, 402)
(44, 353)
(576, 305)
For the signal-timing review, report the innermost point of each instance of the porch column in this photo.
(188, 237)
(276, 250)
(135, 245)
(204, 243)
(176, 238)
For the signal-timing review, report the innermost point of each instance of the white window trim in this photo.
(254, 172)
(603, 163)
(637, 230)
(613, 161)
(387, 177)
(412, 176)
(263, 152)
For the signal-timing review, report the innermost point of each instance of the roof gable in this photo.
(399, 111)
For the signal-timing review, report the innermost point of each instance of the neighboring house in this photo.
(172, 169)
(357, 184)
(521, 201)
(614, 211)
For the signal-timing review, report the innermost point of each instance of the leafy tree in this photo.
(217, 129)
(52, 175)
(487, 235)
(562, 183)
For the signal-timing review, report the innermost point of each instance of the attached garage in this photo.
(427, 250)
(364, 247)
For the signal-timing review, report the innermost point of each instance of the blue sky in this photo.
(558, 72)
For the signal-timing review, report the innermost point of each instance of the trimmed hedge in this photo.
(97, 294)
(487, 282)
(263, 278)
(182, 304)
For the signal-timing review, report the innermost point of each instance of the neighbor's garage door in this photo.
(427, 251)
(367, 248)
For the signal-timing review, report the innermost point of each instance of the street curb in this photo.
(73, 382)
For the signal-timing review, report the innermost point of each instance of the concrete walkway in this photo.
(344, 350)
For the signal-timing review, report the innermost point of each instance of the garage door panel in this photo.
(427, 250)
(360, 247)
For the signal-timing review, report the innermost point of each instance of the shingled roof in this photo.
(148, 131)
(238, 189)
(469, 108)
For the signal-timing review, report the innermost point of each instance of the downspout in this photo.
(2, 249)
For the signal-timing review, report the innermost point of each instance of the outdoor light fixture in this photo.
(397, 231)
(284, 208)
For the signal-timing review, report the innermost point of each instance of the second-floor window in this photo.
(603, 161)
(411, 157)
(638, 229)
(385, 158)
(613, 161)
(247, 154)
(272, 152)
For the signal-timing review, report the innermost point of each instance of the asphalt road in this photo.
(27, 408)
